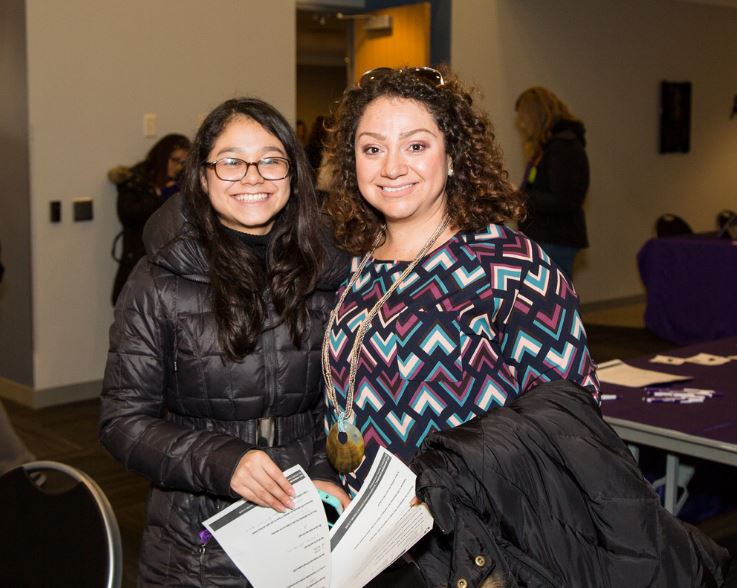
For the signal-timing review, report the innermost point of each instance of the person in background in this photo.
(556, 177)
(316, 143)
(213, 382)
(301, 130)
(449, 312)
(141, 190)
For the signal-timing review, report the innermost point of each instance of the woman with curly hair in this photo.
(556, 177)
(455, 311)
(448, 312)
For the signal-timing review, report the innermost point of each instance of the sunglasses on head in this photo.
(426, 74)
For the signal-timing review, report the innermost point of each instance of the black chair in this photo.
(724, 217)
(669, 225)
(57, 529)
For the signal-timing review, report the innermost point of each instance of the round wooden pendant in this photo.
(345, 448)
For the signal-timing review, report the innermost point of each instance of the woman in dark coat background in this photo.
(213, 380)
(556, 177)
(141, 190)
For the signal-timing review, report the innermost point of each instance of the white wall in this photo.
(606, 58)
(94, 69)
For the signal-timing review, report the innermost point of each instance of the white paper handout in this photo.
(618, 372)
(278, 549)
(293, 549)
(667, 360)
(708, 359)
(379, 525)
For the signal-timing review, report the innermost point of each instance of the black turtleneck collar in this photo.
(257, 243)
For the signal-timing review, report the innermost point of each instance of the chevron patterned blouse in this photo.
(485, 317)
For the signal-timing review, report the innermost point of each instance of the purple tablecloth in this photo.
(714, 419)
(691, 287)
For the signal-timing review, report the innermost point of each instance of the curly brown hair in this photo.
(479, 192)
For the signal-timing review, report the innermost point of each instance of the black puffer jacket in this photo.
(178, 412)
(544, 491)
(555, 198)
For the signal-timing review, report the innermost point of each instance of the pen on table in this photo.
(608, 396)
(673, 399)
(683, 393)
(675, 394)
(702, 392)
(660, 388)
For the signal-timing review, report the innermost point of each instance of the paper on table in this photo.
(708, 359)
(294, 548)
(618, 372)
(278, 549)
(668, 360)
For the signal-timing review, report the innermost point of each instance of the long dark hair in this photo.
(294, 256)
(479, 192)
(156, 164)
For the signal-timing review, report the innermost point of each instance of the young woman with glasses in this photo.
(213, 385)
(448, 312)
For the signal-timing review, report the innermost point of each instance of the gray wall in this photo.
(16, 327)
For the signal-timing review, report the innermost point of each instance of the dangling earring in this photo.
(450, 171)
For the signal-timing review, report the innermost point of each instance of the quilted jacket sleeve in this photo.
(132, 414)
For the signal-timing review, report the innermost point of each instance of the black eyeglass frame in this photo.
(425, 73)
(213, 166)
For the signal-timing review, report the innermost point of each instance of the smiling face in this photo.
(401, 162)
(251, 204)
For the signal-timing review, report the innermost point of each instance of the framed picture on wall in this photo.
(675, 117)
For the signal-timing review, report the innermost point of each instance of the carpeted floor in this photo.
(611, 342)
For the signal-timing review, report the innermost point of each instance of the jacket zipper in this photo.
(202, 550)
(270, 359)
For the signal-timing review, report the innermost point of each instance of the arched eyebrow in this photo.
(380, 137)
(263, 150)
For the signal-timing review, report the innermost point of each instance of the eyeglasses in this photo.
(232, 169)
(427, 74)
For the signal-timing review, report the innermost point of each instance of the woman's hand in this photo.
(259, 480)
(334, 490)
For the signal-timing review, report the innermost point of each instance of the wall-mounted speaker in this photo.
(675, 117)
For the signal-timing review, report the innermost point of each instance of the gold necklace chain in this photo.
(365, 323)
